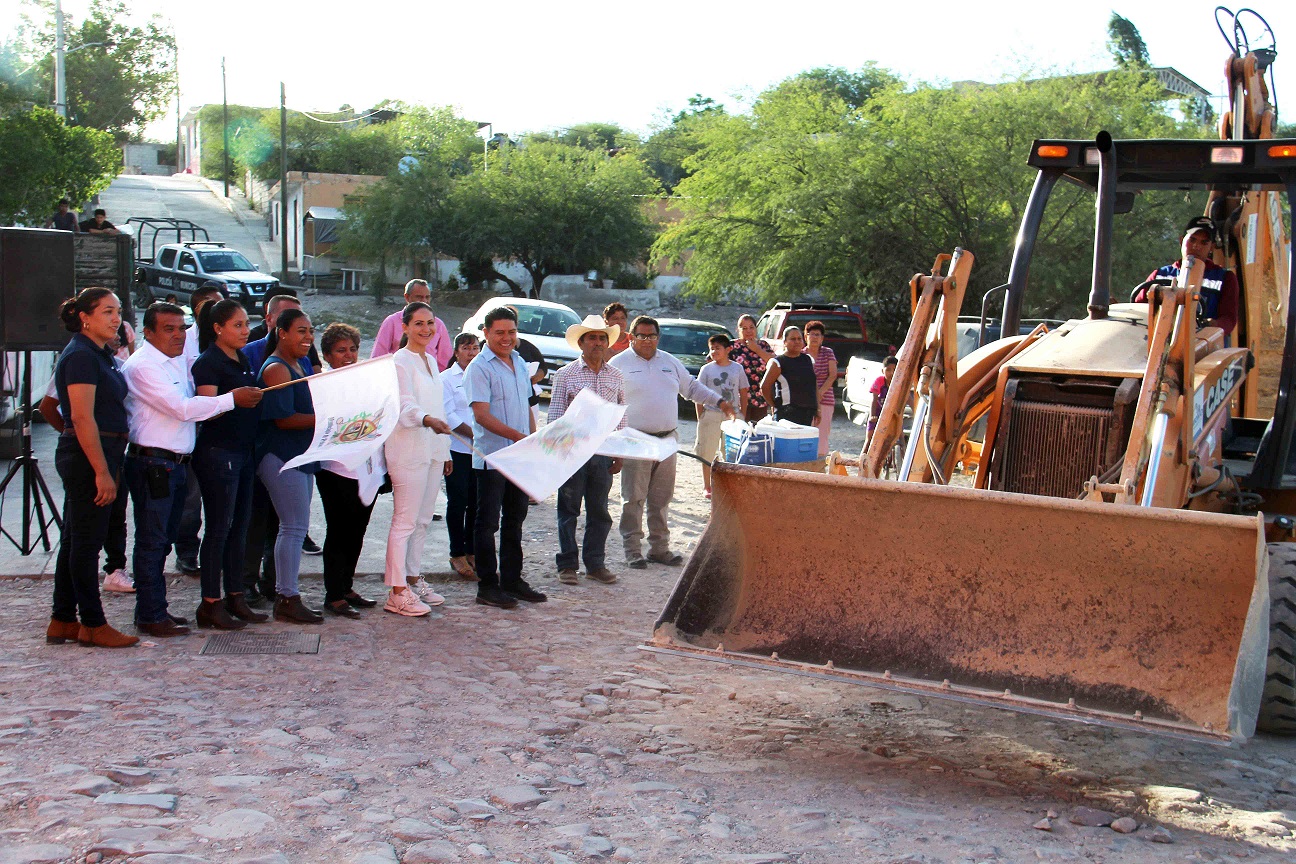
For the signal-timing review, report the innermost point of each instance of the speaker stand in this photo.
(35, 494)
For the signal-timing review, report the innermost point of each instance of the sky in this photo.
(529, 66)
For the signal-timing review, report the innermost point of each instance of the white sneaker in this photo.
(425, 592)
(406, 603)
(119, 581)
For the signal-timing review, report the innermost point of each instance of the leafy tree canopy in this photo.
(42, 159)
(1126, 43)
(809, 191)
(121, 84)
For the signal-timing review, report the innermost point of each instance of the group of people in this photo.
(217, 407)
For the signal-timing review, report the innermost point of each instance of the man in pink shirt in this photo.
(389, 334)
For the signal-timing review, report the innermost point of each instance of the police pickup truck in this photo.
(179, 268)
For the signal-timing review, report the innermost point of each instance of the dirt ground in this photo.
(545, 735)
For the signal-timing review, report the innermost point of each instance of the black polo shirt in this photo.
(233, 430)
(84, 362)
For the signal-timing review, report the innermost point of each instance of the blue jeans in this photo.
(187, 543)
(591, 483)
(290, 492)
(157, 522)
(225, 478)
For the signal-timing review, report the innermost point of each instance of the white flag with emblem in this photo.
(356, 408)
(544, 460)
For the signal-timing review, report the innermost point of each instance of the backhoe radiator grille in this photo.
(1054, 449)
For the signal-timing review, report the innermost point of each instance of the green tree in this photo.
(668, 148)
(553, 208)
(605, 137)
(808, 192)
(42, 159)
(122, 83)
(1126, 43)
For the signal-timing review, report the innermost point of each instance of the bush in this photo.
(452, 283)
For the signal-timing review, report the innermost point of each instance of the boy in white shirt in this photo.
(730, 381)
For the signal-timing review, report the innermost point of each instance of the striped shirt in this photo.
(821, 373)
(607, 383)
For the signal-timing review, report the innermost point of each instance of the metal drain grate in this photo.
(261, 643)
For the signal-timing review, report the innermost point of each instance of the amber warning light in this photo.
(1053, 151)
(1278, 151)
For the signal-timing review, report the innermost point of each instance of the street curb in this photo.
(219, 192)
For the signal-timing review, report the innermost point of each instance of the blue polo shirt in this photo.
(84, 362)
(489, 379)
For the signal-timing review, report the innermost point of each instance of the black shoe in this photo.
(637, 562)
(176, 619)
(293, 610)
(341, 608)
(436, 517)
(670, 559)
(310, 547)
(236, 605)
(499, 598)
(523, 591)
(360, 602)
(251, 594)
(216, 615)
(187, 564)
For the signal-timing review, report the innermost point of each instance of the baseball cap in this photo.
(1200, 223)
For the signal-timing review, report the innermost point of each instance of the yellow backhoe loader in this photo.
(1125, 554)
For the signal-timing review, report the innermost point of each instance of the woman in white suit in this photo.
(418, 456)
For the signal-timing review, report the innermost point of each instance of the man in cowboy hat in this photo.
(1219, 289)
(593, 481)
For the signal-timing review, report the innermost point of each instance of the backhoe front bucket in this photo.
(1131, 616)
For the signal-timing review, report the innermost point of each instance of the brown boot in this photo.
(59, 632)
(104, 636)
(216, 615)
(237, 605)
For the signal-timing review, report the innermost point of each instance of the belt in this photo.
(666, 434)
(69, 432)
(158, 453)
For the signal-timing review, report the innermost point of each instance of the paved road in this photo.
(186, 197)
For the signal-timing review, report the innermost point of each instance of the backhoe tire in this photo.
(1278, 704)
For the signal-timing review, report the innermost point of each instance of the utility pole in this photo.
(60, 67)
(225, 124)
(283, 183)
(179, 163)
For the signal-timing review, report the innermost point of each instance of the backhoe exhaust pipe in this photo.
(1100, 290)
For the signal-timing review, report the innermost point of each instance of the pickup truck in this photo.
(845, 331)
(179, 268)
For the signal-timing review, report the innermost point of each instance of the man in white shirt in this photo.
(653, 381)
(163, 414)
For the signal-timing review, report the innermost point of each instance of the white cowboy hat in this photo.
(592, 324)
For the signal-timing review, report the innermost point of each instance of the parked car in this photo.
(845, 331)
(180, 268)
(687, 340)
(540, 322)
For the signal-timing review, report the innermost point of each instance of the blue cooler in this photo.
(792, 441)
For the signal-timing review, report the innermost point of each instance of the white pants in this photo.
(414, 497)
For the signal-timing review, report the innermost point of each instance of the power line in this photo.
(310, 116)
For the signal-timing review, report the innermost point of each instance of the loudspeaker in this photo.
(37, 273)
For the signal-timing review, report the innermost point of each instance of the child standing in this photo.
(729, 380)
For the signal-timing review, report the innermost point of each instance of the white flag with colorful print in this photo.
(544, 460)
(356, 408)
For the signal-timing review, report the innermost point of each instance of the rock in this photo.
(376, 853)
(128, 775)
(1091, 818)
(92, 785)
(373, 815)
(649, 684)
(623, 853)
(1172, 794)
(1125, 825)
(570, 781)
(474, 808)
(578, 829)
(271, 858)
(756, 858)
(414, 830)
(477, 850)
(233, 824)
(649, 787)
(237, 782)
(1044, 824)
(431, 852)
(597, 846)
(156, 801)
(134, 848)
(514, 797)
(169, 858)
(277, 737)
(1160, 835)
(34, 853)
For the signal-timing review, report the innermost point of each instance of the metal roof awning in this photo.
(325, 221)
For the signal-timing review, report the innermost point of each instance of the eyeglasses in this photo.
(645, 337)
